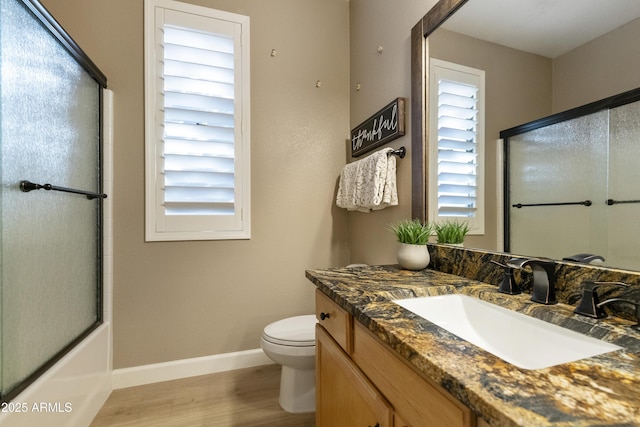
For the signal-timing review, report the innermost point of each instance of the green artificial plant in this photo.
(413, 232)
(452, 231)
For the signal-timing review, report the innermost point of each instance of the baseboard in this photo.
(157, 372)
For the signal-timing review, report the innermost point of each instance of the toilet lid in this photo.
(294, 331)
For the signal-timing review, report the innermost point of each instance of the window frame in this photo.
(192, 227)
(451, 71)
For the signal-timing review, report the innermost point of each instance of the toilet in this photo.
(291, 343)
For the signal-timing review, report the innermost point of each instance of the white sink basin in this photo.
(521, 340)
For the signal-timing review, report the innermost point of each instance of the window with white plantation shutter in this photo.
(197, 123)
(456, 143)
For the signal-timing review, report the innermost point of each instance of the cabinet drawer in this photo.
(335, 320)
(418, 401)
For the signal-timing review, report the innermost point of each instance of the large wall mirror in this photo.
(538, 61)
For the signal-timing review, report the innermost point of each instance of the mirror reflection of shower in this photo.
(573, 186)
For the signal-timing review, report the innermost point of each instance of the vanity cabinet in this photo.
(361, 382)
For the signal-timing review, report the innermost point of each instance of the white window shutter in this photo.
(198, 111)
(456, 144)
(457, 149)
(197, 123)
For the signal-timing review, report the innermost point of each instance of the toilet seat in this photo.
(298, 331)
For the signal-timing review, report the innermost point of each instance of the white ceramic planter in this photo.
(413, 257)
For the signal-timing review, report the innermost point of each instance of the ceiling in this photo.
(545, 27)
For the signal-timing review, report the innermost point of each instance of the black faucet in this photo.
(635, 303)
(583, 258)
(589, 305)
(544, 278)
(508, 284)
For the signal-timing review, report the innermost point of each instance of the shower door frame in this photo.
(77, 380)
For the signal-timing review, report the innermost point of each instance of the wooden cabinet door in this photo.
(398, 421)
(418, 402)
(344, 396)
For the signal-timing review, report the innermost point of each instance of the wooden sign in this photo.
(384, 126)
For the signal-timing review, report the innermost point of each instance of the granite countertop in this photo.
(599, 391)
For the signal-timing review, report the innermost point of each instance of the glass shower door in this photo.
(50, 241)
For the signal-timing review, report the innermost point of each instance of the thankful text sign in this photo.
(384, 126)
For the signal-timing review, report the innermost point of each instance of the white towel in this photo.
(369, 184)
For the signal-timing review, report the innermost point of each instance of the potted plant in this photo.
(452, 232)
(413, 235)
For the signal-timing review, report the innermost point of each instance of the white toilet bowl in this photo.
(291, 343)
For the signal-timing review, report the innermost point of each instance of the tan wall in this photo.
(387, 75)
(175, 300)
(601, 68)
(382, 77)
(186, 299)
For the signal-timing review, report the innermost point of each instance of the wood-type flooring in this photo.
(241, 398)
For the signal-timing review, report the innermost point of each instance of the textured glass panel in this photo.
(624, 185)
(565, 162)
(49, 133)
